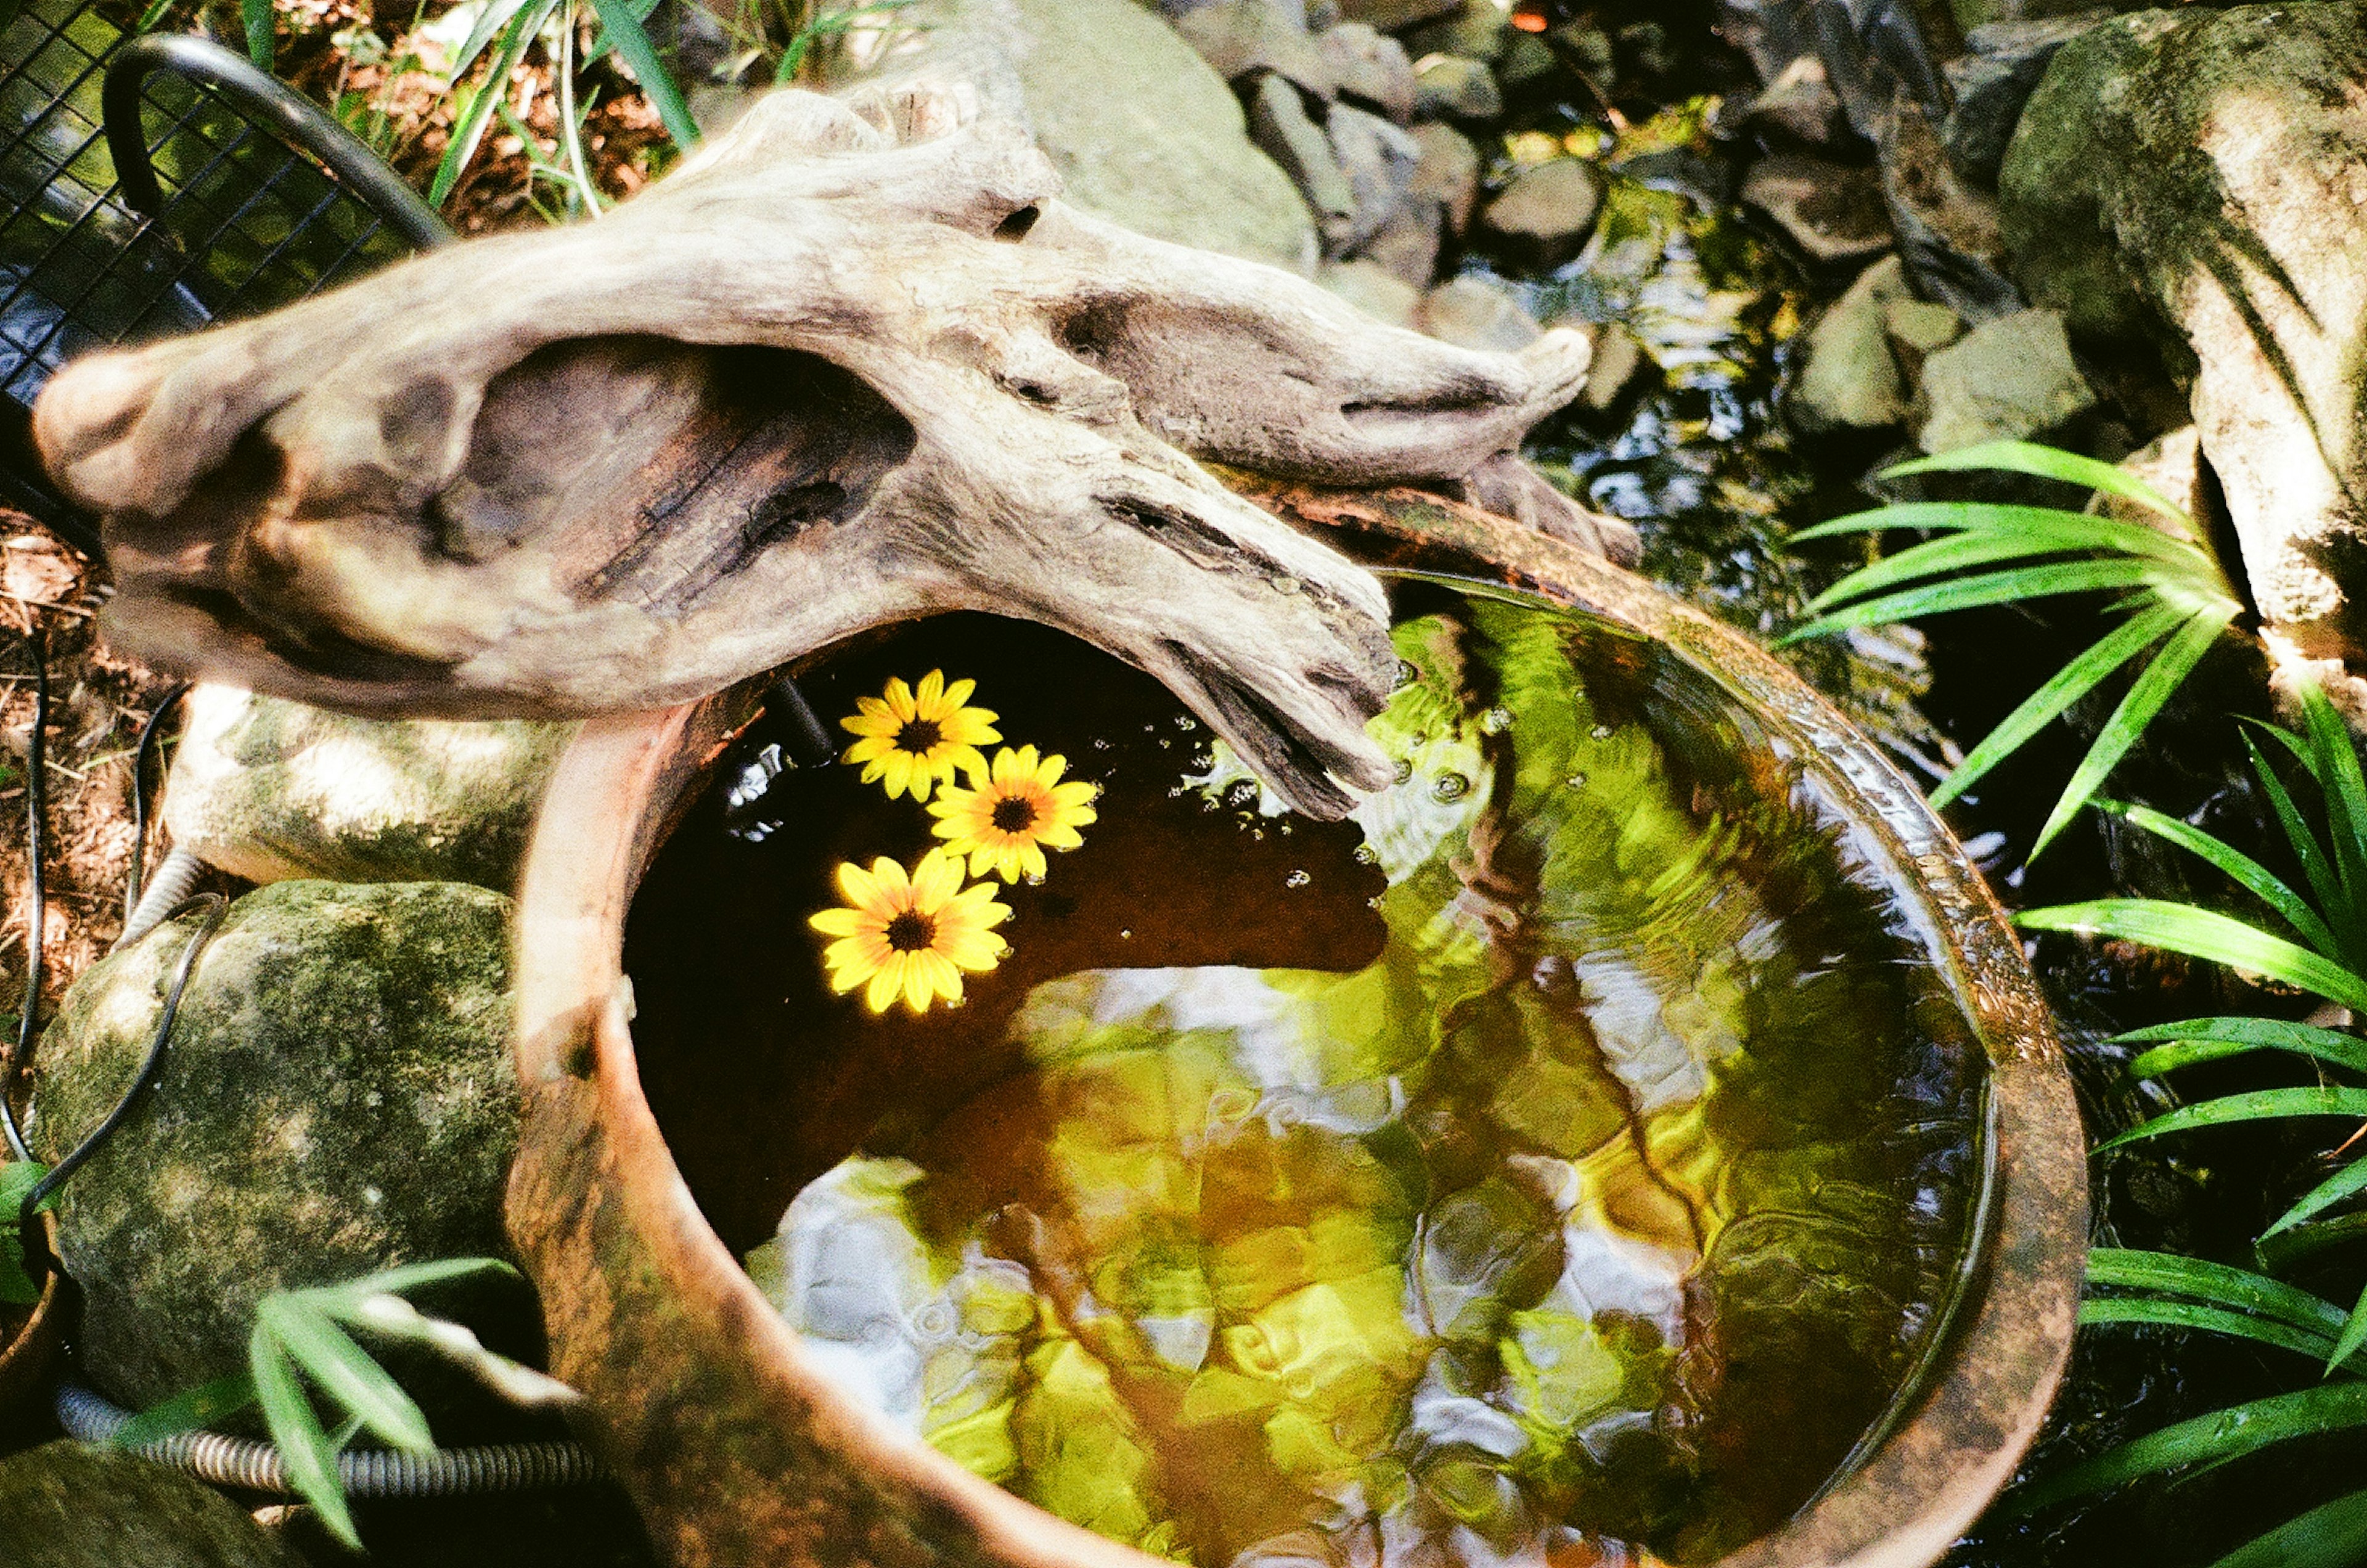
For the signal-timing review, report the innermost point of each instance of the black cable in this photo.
(141, 753)
(36, 906)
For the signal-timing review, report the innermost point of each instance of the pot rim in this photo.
(610, 1230)
(26, 1357)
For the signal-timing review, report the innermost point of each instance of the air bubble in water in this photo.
(1495, 721)
(1407, 675)
(1451, 786)
(1297, 879)
(1100, 744)
(1576, 781)
(1367, 855)
(1125, 932)
(1184, 721)
(1405, 768)
(1600, 732)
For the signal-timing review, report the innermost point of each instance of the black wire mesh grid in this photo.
(243, 215)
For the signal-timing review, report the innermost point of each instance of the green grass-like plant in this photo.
(18, 1180)
(2314, 939)
(2177, 595)
(307, 1336)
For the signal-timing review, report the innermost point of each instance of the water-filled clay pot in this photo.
(740, 1453)
(30, 1346)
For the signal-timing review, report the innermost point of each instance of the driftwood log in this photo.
(849, 364)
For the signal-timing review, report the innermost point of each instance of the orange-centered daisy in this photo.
(910, 936)
(914, 740)
(1012, 812)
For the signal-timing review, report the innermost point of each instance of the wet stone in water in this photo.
(1519, 1164)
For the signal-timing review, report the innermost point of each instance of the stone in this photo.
(1449, 172)
(1544, 216)
(2009, 379)
(1991, 82)
(1832, 212)
(1370, 67)
(2197, 179)
(1527, 61)
(337, 1098)
(1142, 130)
(1380, 160)
(1449, 86)
(1372, 288)
(67, 1505)
(1388, 16)
(1972, 15)
(1850, 379)
(1477, 30)
(1917, 329)
(268, 789)
(1407, 246)
(1471, 312)
(1948, 231)
(1799, 109)
(1237, 36)
(1619, 363)
(1283, 130)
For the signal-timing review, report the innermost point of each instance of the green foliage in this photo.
(2178, 596)
(307, 1336)
(17, 1178)
(2321, 948)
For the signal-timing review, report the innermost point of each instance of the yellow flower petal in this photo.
(887, 982)
(836, 922)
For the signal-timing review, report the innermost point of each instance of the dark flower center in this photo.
(1013, 816)
(919, 736)
(911, 932)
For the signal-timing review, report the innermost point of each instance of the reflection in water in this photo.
(1564, 1158)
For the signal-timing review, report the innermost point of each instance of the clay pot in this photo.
(25, 1359)
(739, 1453)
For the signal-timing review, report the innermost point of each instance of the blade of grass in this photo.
(2346, 811)
(2045, 463)
(413, 1276)
(2322, 1196)
(2015, 586)
(2205, 1319)
(2265, 884)
(2068, 685)
(188, 1412)
(2257, 1035)
(1951, 552)
(2258, 1105)
(2231, 1432)
(311, 1457)
(2146, 698)
(641, 57)
(2353, 1333)
(344, 1371)
(2236, 1290)
(2332, 1535)
(2202, 934)
(2316, 867)
(469, 130)
(2045, 528)
(490, 21)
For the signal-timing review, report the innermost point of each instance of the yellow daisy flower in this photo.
(914, 740)
(910, 936)
(1012, 812)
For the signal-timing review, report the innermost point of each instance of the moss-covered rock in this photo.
(337, 1098)
(269, 789)
(64, 1506)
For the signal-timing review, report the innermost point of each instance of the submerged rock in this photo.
(2201, 174)
(1799, 106)
(268, 789)
(1545, 215)
(337, 1098)
(1850, 379)
(1471, 312)
(2010, 379)
(1370, 67)
(1449, 171)
(1831, 211)
(67, 1505)
(1285, 132)
(1372, 288)
(1449, 85)
(1379, 161)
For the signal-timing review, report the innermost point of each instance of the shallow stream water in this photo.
(1573, 1152)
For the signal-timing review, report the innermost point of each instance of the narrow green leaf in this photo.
(2317, 868)
(2258, 1105)
(2230, 1433)
(2207, 1319)
(256, 15)
(2353, 1333)
(469, 131)
(311, 1457)
(2017, 585)
(344, 1371)
(2146, 698)
(641, 57)
(413, 1276)
(2205, 935)
(2218, 1037)
(2068, 685)
(2045, 530)
(187, 1412)
(2332, 1535)
(2346, 812)
(490, 21)
(1952, 552)
(2324, 1196)
(2045, 463)
(2264, 883)
(2235, 1290)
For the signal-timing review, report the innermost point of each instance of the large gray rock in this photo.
(1449, 171)
(1544, 216)
(1388, 16)
(1993, 79)
(1145, 133)
(268, 789)
(1237, 36)
(1471, 312)
(66, 1506)
(1379, 161)
(337, 1098)
(2202, 175)
(2006, 380)
(1850, 379)
(1450, 86)
(1833, 212)
(1371, 67)
(1477, 29)
(1283, 128)
(1372, 288)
